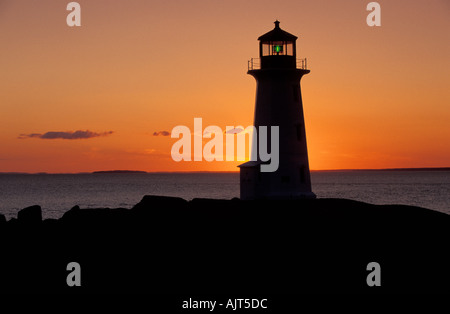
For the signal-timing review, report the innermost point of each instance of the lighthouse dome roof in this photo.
(277, 34)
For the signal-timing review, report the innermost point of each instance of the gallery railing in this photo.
(255, 64)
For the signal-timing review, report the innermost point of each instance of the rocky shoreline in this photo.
(170, 245)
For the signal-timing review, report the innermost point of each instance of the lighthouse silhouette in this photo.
(279, 103)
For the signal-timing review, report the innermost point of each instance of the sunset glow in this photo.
(106, 95)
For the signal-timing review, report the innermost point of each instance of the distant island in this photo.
(119, 171)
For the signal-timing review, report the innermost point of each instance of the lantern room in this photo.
(277, 49)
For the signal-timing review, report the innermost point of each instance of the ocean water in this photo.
(57, 193)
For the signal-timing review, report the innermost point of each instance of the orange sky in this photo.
(375, 98)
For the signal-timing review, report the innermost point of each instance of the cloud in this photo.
(23, 136)
(162, 133)
(77, 135)
(234, 130)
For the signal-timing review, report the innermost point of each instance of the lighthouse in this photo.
(279, 103)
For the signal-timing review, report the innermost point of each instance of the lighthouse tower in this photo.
(279, 103)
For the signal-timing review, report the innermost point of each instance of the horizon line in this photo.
(206, 171)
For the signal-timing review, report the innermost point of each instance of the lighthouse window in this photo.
(277, 49)
(266, 49)
(289, 48)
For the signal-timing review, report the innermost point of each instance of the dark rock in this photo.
(49, 222)
(71, 213)
(95, 219)
(2, 219)
(170, 245)
(32, 214)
